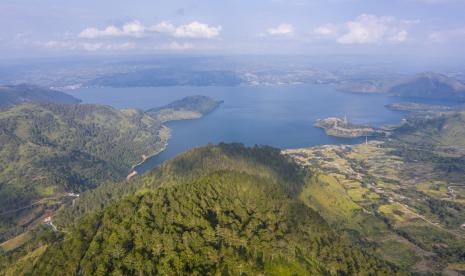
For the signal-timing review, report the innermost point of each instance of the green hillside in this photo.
(402, 197)
(50, 149)
(264, 161)
(191, 107)
(24, 93)
(436, 141)
(241, 215)
(445, 131)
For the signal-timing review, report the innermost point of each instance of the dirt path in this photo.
(437, 225)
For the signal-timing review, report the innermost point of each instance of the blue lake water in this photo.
(280, 116)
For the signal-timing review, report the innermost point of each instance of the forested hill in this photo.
(23, 93)
(50, 149)
(219, 209)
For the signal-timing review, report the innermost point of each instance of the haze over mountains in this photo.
(23, 93)
(430, 86)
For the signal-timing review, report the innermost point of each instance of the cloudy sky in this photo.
(333, 27)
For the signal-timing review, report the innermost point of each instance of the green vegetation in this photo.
(191, 107)
(386, 207)
(23, 93)
(22, 260)
(403, 192)
(49, 150)
(263, 161)
(218, 209)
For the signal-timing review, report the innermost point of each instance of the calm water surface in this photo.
(280, 116)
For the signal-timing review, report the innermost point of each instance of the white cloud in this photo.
(281, 30)
(447, 35)
(369, 29)
(327, 30)
(399, 37)
(163, 27)
(177, 46)
(54, 44)
(86, 46)
(134, 28)
(197, 30)
(95, 33)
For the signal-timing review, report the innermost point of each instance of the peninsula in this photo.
(338, 127)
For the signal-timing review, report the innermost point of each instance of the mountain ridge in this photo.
(23, 93)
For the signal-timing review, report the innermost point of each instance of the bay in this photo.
(279, 116)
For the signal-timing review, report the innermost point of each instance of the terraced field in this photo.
(388, 202)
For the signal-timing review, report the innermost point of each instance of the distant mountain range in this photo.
(167, 77)
(16, 94)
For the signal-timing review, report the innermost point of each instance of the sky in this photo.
(422, 28)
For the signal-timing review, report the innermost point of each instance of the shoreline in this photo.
(133, 171)
(179, 116)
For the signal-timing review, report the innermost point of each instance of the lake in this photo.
(280, 116)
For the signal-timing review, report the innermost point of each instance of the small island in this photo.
(338, 127)
(191, 107)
